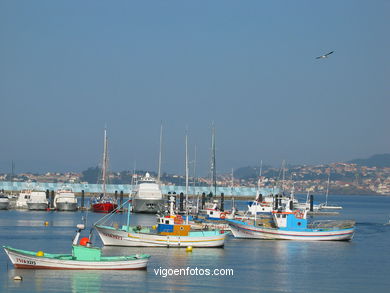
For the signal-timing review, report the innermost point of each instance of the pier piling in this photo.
(311, 202)
(82, 199)
(52, 199)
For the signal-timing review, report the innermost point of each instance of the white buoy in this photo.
(18, 278)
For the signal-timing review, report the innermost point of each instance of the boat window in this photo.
(211, 213)
(167, 222)
(283, 216)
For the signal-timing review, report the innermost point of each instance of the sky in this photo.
(70, 68)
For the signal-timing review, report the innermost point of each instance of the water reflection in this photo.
(75, 280)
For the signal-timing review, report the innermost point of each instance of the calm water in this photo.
(362, 265)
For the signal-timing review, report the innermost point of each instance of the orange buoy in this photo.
(84, 241)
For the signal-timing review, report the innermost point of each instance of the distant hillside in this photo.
(250, 172)
(382, 160)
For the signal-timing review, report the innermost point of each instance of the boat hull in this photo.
(243, 230)
(106, 207)
(4, 205)
(37, 206)
(66, 206)
(27, 261)
(146, 205)
(117, 237)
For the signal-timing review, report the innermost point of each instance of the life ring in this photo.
(223, 215)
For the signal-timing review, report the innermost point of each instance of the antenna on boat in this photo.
(159, 155)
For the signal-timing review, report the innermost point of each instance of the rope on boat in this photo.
(114, 211)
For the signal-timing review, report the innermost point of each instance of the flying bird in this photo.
(324, 56)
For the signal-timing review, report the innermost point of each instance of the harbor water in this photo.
(361, 265)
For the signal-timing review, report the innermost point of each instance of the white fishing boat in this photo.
(171, 231)
(83, 257)
(65, 200)
(289, 224)
(147, 196)
(37, 201)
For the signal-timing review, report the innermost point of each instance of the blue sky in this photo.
(67, 68)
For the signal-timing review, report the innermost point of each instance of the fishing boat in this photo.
(83, 257)
(147, 196)
(103, 203)
(65, 200)
(171, 230)
(288, 224)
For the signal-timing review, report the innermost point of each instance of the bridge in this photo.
(126, 188)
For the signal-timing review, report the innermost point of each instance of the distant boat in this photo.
(37, 201)
(65, 200)
(83, 257)
(104, 204)
(288, 224)
(147, 196)
(4, 202)
(23, 197)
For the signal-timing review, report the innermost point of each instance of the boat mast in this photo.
(259, 181)
(105, 162)
(232, 181)
(194, 181)
(283, 174)
(213, 164)
(327, 190)
(186, 171)
(159, 156)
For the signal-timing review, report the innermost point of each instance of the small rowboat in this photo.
(83, 257)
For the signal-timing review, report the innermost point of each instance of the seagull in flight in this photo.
(324, 56)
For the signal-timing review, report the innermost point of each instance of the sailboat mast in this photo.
(213, 163)
(194, 170)
(260, 171)
(232, 180)
(104, 165)
(327, 190)
(186, 167)
(186, 171)
(159, 155)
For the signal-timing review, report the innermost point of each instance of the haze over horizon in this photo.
(68, 68)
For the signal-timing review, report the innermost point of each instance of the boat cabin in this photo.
(173, 225)
(290, 220)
